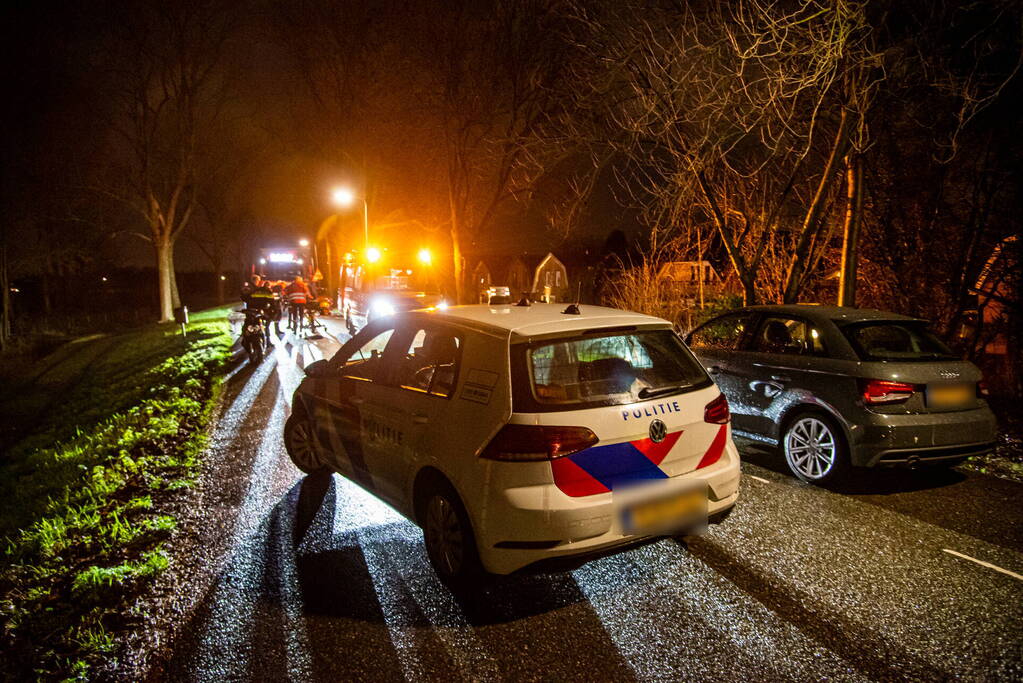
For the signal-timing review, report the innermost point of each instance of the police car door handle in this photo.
(781, 378)
(420, 418)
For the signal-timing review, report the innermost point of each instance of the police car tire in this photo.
(469, 573)
(291, 427)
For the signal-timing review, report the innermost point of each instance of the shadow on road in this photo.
(853, 641)
(361, 571)
(504, 599)
(965, 502)
(862, 480)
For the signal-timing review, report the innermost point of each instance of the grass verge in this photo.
(81, 492)
(1006, 461)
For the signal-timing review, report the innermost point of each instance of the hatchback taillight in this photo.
(716, 412)
(525, 443)
(881, 391)
(982, 390)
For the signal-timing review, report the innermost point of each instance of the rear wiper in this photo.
(653, 392)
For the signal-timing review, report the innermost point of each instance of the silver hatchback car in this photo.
(842, 387)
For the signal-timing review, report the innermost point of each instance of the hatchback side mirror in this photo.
(318, 368)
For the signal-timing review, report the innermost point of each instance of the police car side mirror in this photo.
(318, 368)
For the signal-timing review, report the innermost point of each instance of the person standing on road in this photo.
(247, 288)
(262, 299)
(298, 294)
(277, 310)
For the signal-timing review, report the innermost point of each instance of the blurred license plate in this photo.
(667, 513)
(948, 395)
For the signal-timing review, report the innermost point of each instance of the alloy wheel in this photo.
(810, 448)
(444, 538)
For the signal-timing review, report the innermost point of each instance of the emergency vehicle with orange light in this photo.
(381, 282)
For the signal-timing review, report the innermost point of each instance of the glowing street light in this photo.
(345, 197)
(425, 257)
(373, 254)
(303, 242)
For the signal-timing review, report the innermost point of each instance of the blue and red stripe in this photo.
(603, 468)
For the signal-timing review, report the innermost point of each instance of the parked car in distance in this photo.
(522, 435)
(499, 295)
(842, 387)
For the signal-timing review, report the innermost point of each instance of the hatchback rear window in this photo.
(590, 371)
(896, 341)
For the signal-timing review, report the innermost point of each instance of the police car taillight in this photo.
(716, 412)
(527, 443)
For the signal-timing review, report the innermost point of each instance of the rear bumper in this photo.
(538, 528)
(881, 439)
(935, 454)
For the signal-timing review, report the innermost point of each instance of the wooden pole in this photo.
(851, 238)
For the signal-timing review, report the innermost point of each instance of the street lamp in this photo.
(345, 197)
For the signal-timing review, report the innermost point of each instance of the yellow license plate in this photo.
(665, 514)
(948, 395)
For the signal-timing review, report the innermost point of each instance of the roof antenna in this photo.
(573, 309)
(524, 301)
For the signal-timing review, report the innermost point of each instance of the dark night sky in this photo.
(56, 121)
(57, 115)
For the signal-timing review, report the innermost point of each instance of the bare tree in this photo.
(493, 78)
(745, 110)
(168, 93)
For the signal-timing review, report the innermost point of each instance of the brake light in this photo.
(982, 390)
(716, 412)
(881, 391)
(528, 443)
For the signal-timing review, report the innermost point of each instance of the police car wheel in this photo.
(301, 444)
(449, 540)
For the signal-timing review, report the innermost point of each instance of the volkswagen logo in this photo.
(658, 430)
(949, 374)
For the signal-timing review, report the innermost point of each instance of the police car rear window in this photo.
(615, 369)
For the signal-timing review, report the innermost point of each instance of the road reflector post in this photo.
(181, 317)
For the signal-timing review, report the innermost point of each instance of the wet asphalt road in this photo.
(800, 583)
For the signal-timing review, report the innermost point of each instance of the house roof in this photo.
(500, 265)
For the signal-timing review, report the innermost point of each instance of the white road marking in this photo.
(753, 476)
(984, 564)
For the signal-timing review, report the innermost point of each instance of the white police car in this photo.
(522, 436)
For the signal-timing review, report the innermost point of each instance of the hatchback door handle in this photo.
(781, 378)
(714, 369)
(420, 419)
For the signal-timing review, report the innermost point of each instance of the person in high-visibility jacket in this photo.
(262, 299)
(297, 294)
